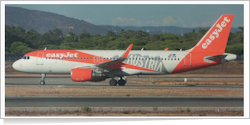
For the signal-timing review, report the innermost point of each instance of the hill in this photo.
(44, 21)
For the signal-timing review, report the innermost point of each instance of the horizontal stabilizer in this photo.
(214, 58)
(217, 57)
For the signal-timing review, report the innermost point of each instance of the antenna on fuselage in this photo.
(142, 49)
(45, 48)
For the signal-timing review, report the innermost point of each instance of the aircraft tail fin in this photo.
(215, 40)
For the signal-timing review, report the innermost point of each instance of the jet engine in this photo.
(83, 75)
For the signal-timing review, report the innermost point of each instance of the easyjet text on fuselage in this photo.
(67, 54)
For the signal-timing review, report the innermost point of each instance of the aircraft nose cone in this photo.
(16, 65)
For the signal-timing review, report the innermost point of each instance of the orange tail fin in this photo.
(215, 40)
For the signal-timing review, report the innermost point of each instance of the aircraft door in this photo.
(100, 60)
(187, 60)
(39, 59)
(96, 59)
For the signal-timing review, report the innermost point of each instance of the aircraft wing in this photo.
(117, 63)
(110, 65)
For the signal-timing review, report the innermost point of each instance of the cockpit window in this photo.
(26, 57)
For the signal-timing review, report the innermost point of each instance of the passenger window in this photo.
(24, 57)
(174, 58)
(171, 58)
(90, 58)
(28, 57)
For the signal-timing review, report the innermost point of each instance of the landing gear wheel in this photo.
(113, 82)
(42, 82)
(121, 82)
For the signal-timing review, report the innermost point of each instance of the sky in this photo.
(182, 15)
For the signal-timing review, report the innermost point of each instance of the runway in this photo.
(120, 101)
(124, 101)
(66, 81)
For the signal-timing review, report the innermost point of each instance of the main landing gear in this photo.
(114, 82)
(42, 82)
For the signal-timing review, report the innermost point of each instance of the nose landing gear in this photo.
(42, 82)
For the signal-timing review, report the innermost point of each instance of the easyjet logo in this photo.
(216, 32)
(68, 54)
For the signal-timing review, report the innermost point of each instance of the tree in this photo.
(123, 34)
(58, 33)
(18, 41)
(110, 34)
(84, 34)
(235, 48)
(32, 39)
(19, 48)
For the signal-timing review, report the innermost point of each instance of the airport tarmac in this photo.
(124, 101)
(66, 81)
(119, 101)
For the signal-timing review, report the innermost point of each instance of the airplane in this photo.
(98, 65)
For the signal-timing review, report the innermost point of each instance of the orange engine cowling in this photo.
(82, 75)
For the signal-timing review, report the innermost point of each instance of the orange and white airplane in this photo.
(97, 65)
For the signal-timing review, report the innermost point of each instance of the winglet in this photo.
(125, 55)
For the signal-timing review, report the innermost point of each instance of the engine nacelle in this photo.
(82, 75)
